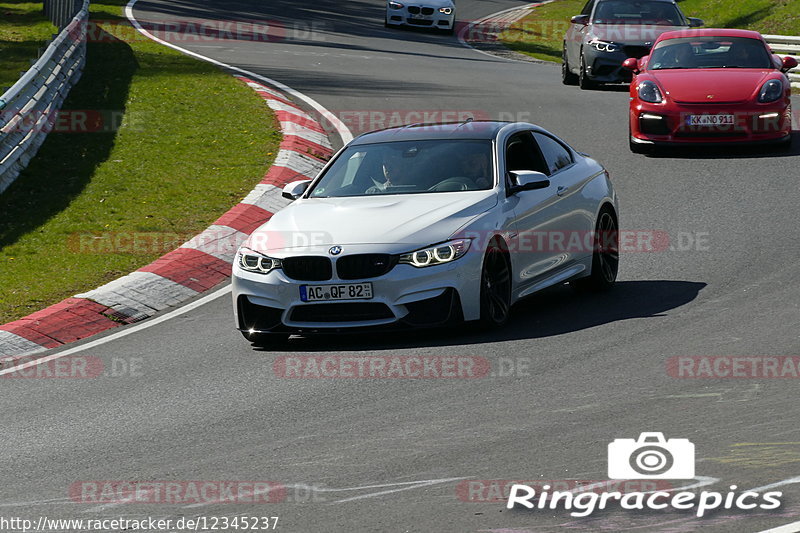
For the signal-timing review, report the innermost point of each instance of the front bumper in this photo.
(402, 17)
(606, 67)
(405, 296)
(657, 124)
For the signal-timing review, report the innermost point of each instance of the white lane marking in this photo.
(468, 28)
(413, 485)
(341, 128)
(794, 527)
(789, 481)
(404, 485)
(125, 332)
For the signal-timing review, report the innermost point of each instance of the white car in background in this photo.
(426, 225)
(437, 14)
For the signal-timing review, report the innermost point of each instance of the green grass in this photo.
(23, 31)
(194, 141)
(541, 33)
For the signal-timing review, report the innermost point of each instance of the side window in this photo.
(522, 154)
(587, 9)
(555, 154)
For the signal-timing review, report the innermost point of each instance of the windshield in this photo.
(409, 167)
(709, 52)
(642, 13)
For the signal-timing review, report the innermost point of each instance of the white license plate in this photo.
(328, 293)
(419, 16)
(710, 120)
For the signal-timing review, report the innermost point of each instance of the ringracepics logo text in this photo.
(651, 456)
(586, 503)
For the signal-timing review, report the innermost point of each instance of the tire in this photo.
(495, 288)
(583, 79)
(567, 76)
(605, 255)
(386, 21)
(265, 340)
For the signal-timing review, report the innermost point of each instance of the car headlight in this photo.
(770, 91)
(437, 254)
(255, 262)
(604, 46)
(395, 5)
(446, 10)
(649, 92)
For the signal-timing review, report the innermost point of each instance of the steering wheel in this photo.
(456, 183)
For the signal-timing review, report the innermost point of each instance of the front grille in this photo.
(341, 312)
(414, 10)
(308, 268)
(651, 125)
(636, 51)
(362, 266)
(711, 105)
(434, 311)
(427, 11)
(257, 317)
(419, 22)
(709, 134)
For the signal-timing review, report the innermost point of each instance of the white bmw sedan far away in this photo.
(436, 14)
(427, 225)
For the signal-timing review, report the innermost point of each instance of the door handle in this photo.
(562, 190)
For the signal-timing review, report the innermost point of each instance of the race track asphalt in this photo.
(388, 455)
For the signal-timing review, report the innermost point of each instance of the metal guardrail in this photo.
(787, 45)
(29, 109)
(61, 12)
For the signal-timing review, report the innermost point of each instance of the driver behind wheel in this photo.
(475, 166)
(393, 170)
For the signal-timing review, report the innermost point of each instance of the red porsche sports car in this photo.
(709, 86)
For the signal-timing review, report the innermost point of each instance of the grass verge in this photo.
(23, 30)
(192, 142)
(541, 33)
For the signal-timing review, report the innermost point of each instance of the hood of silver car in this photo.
(407, 219)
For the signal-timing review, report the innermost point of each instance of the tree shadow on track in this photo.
(555, 311)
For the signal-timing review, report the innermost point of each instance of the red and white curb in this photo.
(197, 266)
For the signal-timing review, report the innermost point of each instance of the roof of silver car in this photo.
(469, 129)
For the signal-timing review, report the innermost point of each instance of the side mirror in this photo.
(295, 189)
(583, 20)
(695, 22)
(631, 64)
(788, 63)
(528, 180)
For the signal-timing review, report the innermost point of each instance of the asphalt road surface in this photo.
(569, 375)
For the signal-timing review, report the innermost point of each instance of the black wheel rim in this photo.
(496, 289)
(608, 249)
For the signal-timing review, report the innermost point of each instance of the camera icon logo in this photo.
(651, 457)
